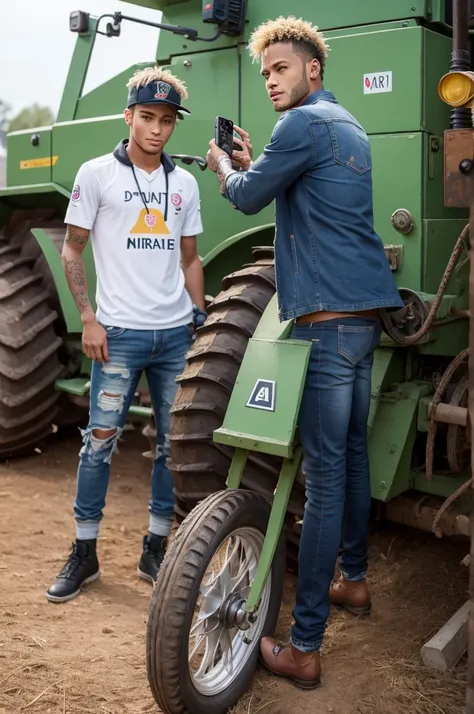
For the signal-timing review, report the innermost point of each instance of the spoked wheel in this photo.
(202, 647)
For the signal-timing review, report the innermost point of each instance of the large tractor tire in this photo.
(29, 346)
(19, 232)
(200, 466)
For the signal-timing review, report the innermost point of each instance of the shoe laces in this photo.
(73, 563)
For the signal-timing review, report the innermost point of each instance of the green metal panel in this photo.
(190, 14)
(154, 4)
(437, 50)
(378, 50)
(270, 327)
(327, 16)
(269, 425)
(26, 163)
(341, 13)
(438, 485)
(413, 103)
(439, 240)
(394, 187)
(76, 142)
(391, 440)
(388, 369)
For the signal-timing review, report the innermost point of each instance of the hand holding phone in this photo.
(224, 135)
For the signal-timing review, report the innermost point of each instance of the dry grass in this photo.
(415, 591)
(88, 656)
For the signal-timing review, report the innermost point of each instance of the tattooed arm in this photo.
(94, 337)
(74, 244)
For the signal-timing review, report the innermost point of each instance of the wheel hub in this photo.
(233, 614)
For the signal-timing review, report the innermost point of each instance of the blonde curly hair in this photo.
(289, 29)
(142, 77)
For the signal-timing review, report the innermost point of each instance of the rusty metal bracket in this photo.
(458, 168)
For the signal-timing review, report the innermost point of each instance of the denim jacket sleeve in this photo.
(288, 155)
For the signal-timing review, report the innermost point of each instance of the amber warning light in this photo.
(457, 89)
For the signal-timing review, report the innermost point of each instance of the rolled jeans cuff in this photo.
(87, 530)
(306, 647)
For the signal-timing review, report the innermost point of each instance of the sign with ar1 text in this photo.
(377, 82)
(263, 395)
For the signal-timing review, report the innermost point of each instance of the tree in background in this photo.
(31, 117)
(5, 110)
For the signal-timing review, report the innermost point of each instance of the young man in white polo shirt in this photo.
(143, 214)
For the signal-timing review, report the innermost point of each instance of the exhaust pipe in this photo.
(461, 118)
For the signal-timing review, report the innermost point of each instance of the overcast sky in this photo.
(36, 48)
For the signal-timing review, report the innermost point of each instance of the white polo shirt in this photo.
(140, 283)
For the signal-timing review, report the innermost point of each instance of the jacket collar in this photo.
(319, 95)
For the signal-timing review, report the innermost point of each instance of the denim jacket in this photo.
(318, 169)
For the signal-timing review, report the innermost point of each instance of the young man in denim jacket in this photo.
(332, 279)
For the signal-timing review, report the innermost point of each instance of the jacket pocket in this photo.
(355, 342)
(294, 253)
(350, 146)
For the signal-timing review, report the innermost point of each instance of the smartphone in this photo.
(224, 135)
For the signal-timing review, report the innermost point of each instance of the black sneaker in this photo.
(154, 549)
(82, 567)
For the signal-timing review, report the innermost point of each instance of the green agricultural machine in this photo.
(385, 64)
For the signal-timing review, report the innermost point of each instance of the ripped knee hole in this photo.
(103, 434)
(109, 402)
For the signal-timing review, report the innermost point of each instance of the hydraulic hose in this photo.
(412, 339)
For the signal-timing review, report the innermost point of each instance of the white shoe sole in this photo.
(65, 598)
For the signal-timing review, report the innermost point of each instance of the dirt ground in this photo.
(88, 656)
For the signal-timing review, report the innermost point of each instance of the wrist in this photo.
(88, 318)
(199, 316)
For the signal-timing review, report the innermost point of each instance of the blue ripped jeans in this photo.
(161, 355)
(333, 431)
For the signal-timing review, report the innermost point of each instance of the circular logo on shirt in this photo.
(76, 192)
(150, 220)
(176, 199)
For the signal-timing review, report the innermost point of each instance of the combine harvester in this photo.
(386, 61)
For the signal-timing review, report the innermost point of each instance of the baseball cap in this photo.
(157, 92)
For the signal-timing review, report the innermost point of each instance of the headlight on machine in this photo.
(457, 89)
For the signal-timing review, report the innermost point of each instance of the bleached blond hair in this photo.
(142, 77)
(288, 29)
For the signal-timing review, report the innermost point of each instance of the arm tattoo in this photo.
(76, 279)
(76, 270)
(74, 236)
(82, 300)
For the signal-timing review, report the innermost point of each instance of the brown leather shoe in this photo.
(352, 596)
(303, 669)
